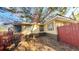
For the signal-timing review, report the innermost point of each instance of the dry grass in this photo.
(44, 44)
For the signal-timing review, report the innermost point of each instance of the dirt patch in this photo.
(56, 45)
(45, 43)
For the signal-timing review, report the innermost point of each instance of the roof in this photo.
(61, 18)
(27, 24)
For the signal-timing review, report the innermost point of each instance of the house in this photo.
(29, 28)
(50, 26)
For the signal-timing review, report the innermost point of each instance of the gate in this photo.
(69, 34)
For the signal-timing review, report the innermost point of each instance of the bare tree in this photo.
(39, 14)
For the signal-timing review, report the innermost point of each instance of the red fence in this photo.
(5, 39)
(69, 34)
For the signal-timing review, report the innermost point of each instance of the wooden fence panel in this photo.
(69, 34)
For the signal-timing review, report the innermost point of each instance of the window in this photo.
(18, 28)
(50, 27)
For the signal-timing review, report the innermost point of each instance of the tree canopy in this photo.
(40, 14)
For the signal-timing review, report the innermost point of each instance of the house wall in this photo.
(56, 23)
(35, 29)
(53, 29)
(30, 29)
(53, 32)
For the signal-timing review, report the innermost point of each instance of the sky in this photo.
(7, 17)
(71, 9)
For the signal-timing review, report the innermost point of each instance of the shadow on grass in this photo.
(52, 42)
